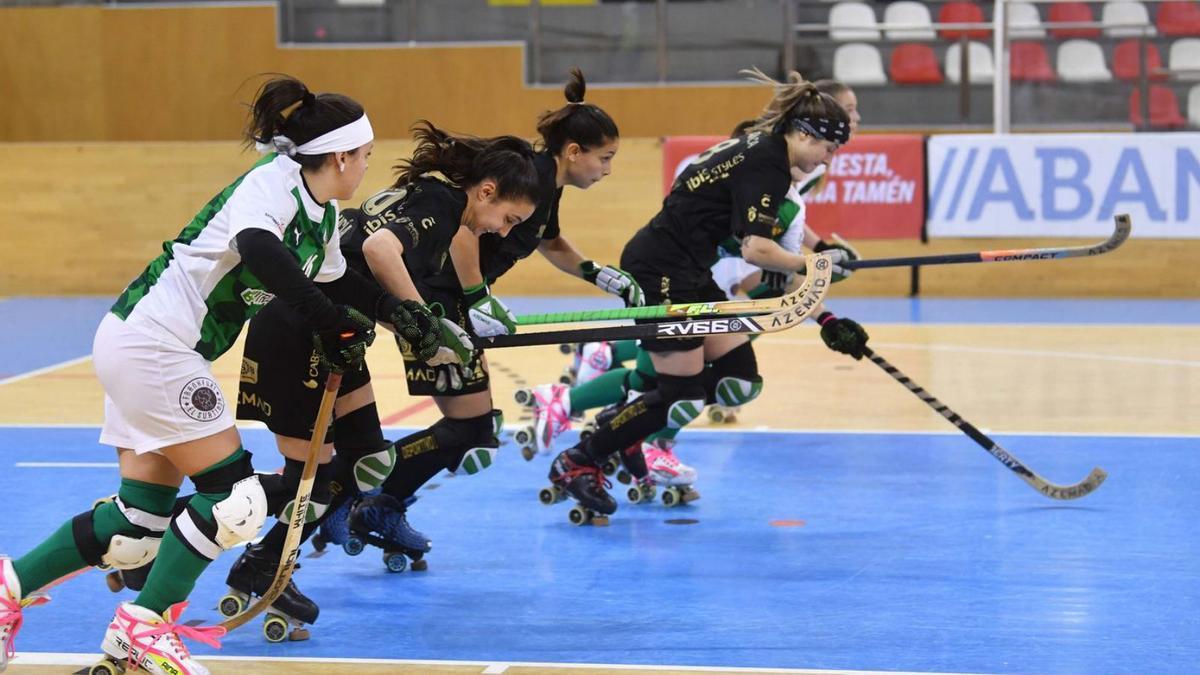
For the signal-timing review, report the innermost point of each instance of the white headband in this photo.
(342, 139)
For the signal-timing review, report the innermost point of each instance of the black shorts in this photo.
(281, 380)
(426, 380)
(679, 282)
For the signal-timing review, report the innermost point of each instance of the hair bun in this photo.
(309, 98)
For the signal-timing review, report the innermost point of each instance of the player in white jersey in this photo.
(271, 233)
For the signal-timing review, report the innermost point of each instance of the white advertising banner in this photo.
(1063, 185)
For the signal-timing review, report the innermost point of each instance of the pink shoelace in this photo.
(142, 641)
(557, 416)
(11, 615)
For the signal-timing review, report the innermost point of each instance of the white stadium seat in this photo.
(980, 65)
(912, 14)
(1082, 61)
(1123, 18)
(853, 21)
(858, 63)
(1183, 59)
(1024, 22)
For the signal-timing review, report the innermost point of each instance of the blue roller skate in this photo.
(381, 521)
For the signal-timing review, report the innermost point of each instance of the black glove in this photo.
(414, 324)
(843, 335)
(343, 345)
(771, 285)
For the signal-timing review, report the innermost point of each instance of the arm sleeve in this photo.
(552, 231)
(756, 196)
(265, 257)
(358, 291)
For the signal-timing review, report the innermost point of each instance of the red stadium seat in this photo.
(1178, 18)
(915, 64)
(1072, 11)
(1029, 63)
(1164, 108)
(1125, 61)
(961, 11)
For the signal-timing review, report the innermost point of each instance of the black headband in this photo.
(819, 127)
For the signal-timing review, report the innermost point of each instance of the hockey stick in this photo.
(1118, 237)
(1080, 489)
(796, 307)
(291, 544)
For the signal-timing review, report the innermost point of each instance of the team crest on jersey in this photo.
(256, 297)
(249, 371)
(201, 399)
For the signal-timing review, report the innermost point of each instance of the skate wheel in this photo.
(319, 542)
(579, 515)
(634, 494)
(624, 478)
(716, 415)
(566, 348)
(610, 466)
(231, 605)
(524, 437)
(275, 628)
(395, 562)
(419, 565)
(586, 432)
(353, 545)
(106, 667)
(524, 397)
(528, 453)
(115, 583)
(670, 496)
(548, 496)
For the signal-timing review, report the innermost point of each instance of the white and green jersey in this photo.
(198, 291)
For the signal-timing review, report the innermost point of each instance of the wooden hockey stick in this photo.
(1080, 489)
(792, 309)
(1118, 237)
(291, 544)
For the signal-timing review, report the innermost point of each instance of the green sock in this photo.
(607, 389)
(58, 556)
(667, 433)
(177, 568)
(624, 350)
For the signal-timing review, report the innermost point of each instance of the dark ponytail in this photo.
(284, 106)
(584, 123)
(467, 160)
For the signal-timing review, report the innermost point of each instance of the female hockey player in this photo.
(732, 190)
(270, 233)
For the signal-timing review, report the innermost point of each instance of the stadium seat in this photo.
(858, 63)
(853, 21)
(1183, 59)
(1082, 61)
(1125, 61)
(1126, 18)
(1028, 62)
(915, 64)
(1194, 107)
(912, 14)
(1176, 19)
(1062, 12)
(960, 11)
(1024, 21)
(981, 67)
(1164, 108)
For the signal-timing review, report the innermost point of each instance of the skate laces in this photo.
(143, 641)
(557, 417)
(11, 616)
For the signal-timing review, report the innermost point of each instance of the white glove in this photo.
(614, 281)
(488, 316)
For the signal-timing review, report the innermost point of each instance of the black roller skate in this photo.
(572, 474)
(250, 577)
(381, 521)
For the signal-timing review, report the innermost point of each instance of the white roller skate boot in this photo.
(664, 466)
(551, 414)
(138, 638)
(595, 358)
(11, 609)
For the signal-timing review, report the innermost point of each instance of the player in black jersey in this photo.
(400, 236)
(734, 189)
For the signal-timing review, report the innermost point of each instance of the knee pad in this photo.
(123, 551)
(469, 444)
(319, 497)
(683, 398)
(734, 378)
(236, 518)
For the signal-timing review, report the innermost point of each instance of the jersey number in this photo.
(380, 201)
(723, 145)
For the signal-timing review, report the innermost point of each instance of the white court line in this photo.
(66, 465)
(73, 659)
(726, 430)
(1141, 360)
(42, 371)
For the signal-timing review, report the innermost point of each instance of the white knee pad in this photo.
(241, 515)
(371, 470)
(681, 413)
(734, 391)
(127, 553)
(476, 460)
(315, 511)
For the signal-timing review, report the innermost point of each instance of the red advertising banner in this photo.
(875, 186)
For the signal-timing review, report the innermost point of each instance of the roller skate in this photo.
(251, 576)
(573, 475)
(666, 469)
(134, 579)
(380, 520)
(719, 414)
(12, 607)
(335, 528)
(139, 639)
(551, 417)
(592, 360)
